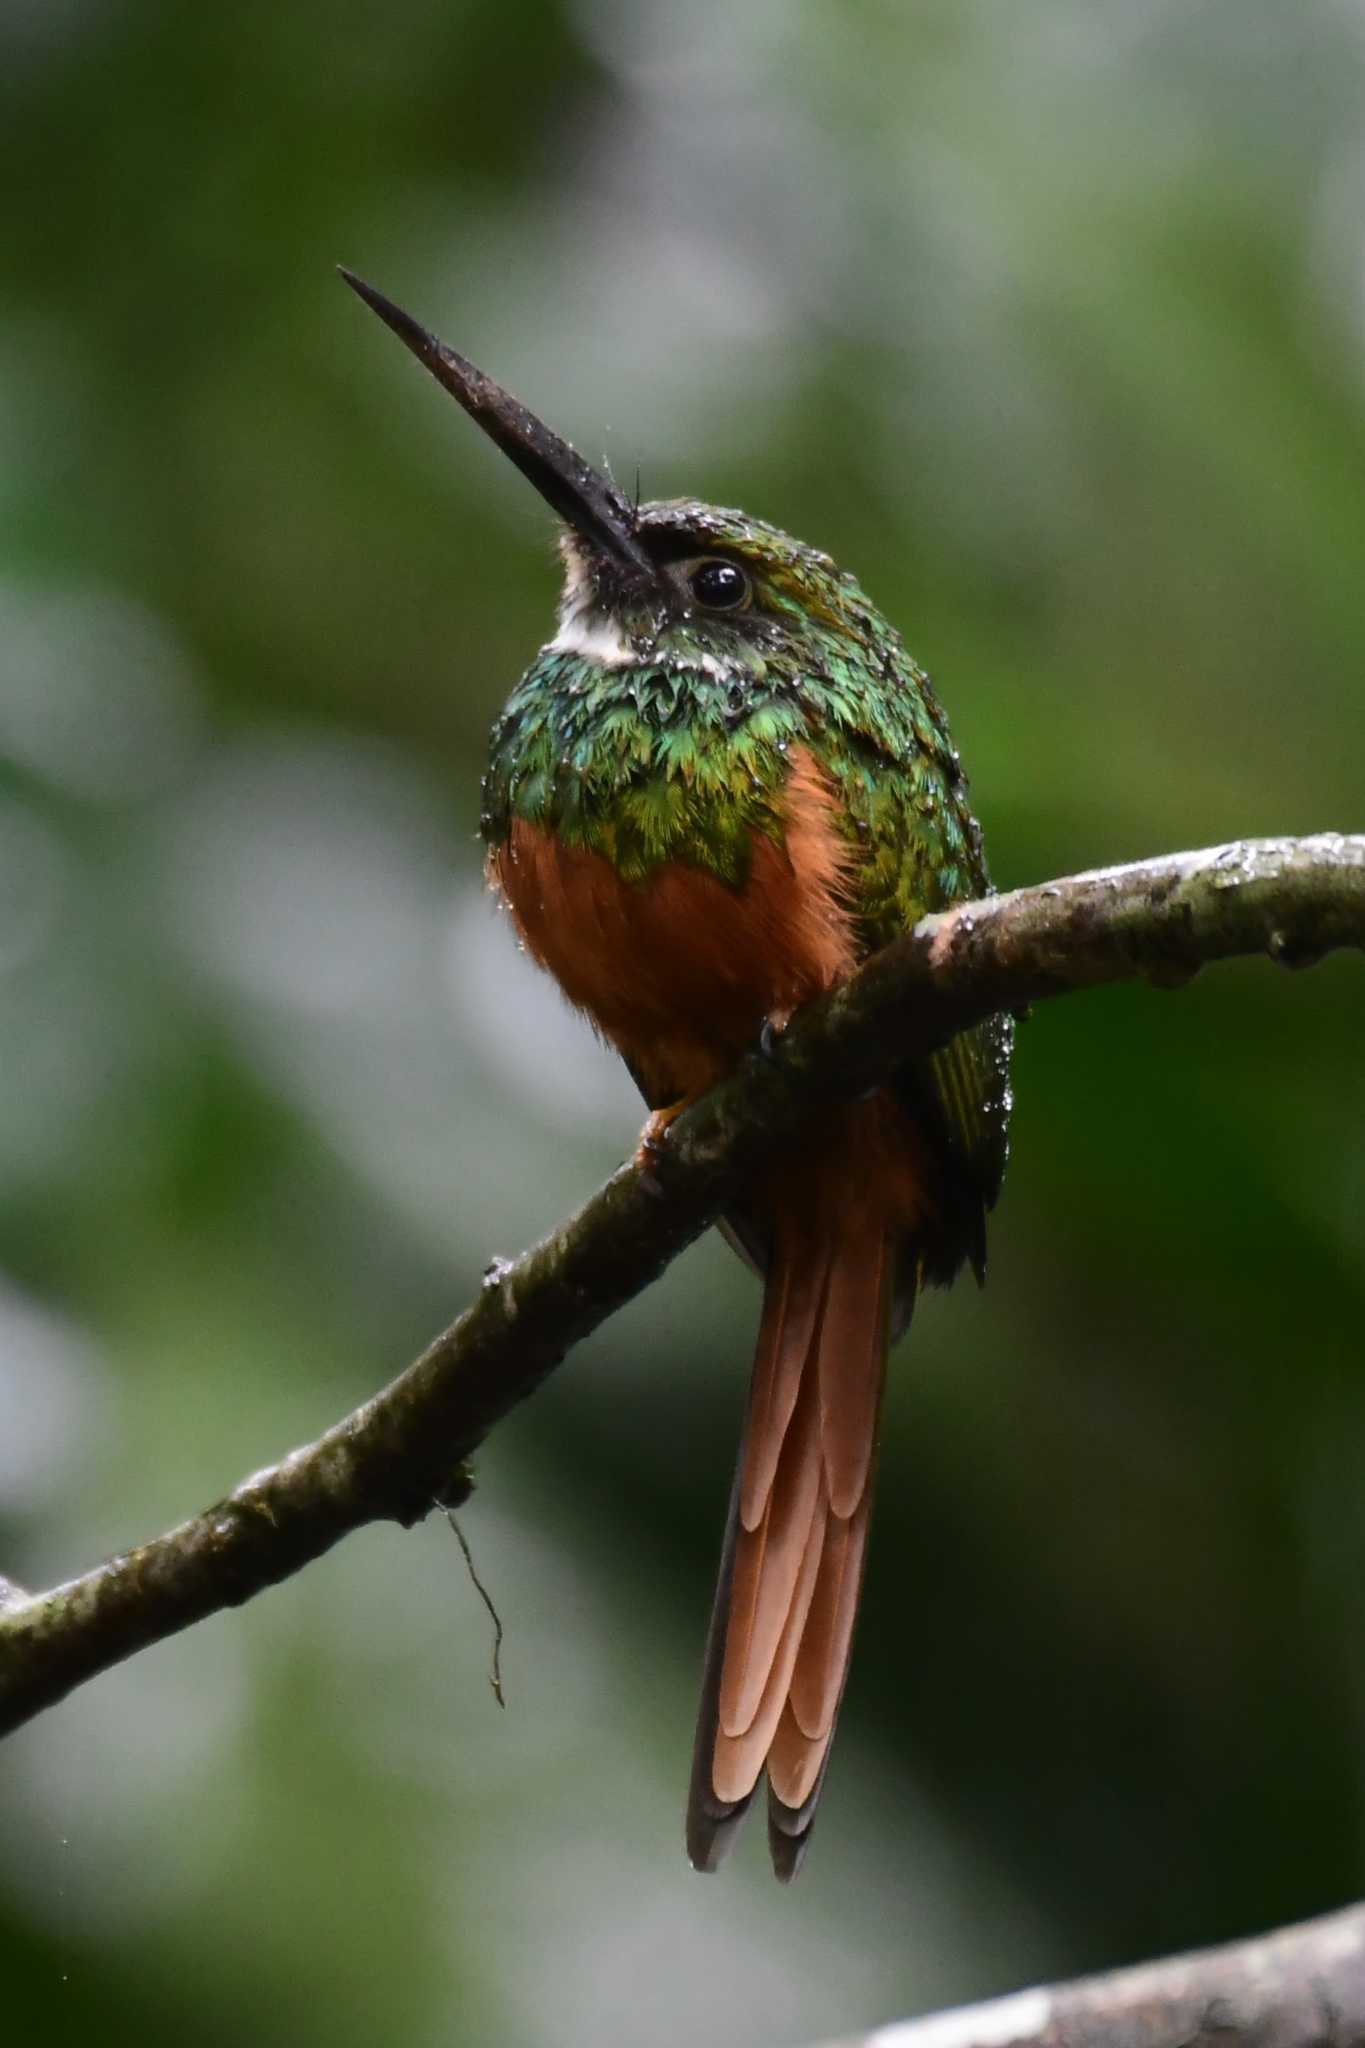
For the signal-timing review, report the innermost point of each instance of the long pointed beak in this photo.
(590, 504)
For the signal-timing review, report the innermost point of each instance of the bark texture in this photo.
(1302, 1987)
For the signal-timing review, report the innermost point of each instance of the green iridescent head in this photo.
(723, 589)
(695, 647)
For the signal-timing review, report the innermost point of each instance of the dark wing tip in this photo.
(788, 1853)
(712, 1824)
(711, 1830)
(790, 1829)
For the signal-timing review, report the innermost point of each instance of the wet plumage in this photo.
(719, 787)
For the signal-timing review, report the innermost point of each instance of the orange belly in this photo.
(680, 970)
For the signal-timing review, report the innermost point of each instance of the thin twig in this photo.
(495, 1668)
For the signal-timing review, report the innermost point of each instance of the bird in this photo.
(720, 786)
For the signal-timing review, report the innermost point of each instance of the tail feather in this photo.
(800, 1748)
(782, 1625)
(828, 1636)
(738, 1755)
(850, 1364)
(789, 1828)
(712, 1822)
(784, 1342)
(774, 1566)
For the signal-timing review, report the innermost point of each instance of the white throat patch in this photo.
(600, 639)
(596, 639)
(596, 636)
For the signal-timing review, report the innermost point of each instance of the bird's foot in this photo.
(650, 1149)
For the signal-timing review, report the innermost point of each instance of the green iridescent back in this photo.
(654, 731)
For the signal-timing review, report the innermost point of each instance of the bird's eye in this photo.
(720, 586)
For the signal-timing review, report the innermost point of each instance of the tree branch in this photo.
(1158, 920)
(1303, 1987)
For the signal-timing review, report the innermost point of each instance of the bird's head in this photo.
(672, 580)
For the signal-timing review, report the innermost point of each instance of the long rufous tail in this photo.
(792, 1568)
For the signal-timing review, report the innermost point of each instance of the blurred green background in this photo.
(1050, 323)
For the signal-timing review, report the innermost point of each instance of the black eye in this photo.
(720, 586)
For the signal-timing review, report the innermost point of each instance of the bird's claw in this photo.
(653, 1138)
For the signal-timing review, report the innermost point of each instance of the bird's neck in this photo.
(674, 757)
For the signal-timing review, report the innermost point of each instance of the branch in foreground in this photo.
(1302, 1987)
(1158, 920)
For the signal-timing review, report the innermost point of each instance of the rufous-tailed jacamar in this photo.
(720, 786)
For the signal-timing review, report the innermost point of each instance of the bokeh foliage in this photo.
(1049, 321)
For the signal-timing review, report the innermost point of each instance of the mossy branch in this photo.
(1158, 920)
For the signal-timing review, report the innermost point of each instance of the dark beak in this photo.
(592, 506)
